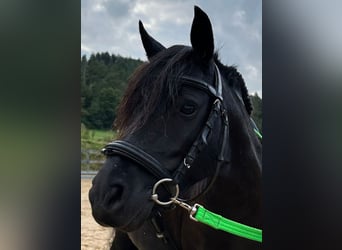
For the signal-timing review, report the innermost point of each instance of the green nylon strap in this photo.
(258, 133)
(218, 222)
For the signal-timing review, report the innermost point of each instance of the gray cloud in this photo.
(112, 25)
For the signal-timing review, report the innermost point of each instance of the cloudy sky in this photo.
(112, 25)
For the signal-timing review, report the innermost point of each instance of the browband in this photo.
(199, 84)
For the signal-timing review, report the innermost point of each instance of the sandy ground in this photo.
(93, 236)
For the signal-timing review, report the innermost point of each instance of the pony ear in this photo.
(202, 39)
(152, 47)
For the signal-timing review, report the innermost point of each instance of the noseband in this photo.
(148, 162)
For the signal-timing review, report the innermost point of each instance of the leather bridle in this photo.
(152, 165)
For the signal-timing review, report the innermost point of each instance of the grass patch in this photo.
(92, 141)
(96, 139)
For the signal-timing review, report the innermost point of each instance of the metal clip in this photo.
(191, 209)
(194, 211)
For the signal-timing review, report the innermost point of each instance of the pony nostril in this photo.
(118, 191)
(114, 195)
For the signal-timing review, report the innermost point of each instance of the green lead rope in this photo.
(218, 222)
(256, 129)
(258, 133)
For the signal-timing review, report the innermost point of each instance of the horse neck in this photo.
(237, 190)
(236, 196)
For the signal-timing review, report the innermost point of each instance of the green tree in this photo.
(103, 81)
(107, 105)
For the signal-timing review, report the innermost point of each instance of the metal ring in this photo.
(186, 164)
(217, 100)
(154, 196)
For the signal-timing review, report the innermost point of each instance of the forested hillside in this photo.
(103, 81)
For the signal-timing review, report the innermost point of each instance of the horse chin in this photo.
(136, 221)
(127, 216)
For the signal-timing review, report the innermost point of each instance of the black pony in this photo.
(184, 120)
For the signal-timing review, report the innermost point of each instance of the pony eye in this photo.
(188, 108)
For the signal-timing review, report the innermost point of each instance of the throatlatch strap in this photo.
(218, 222)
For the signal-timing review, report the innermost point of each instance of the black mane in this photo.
(235, 79)
(151, 87)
